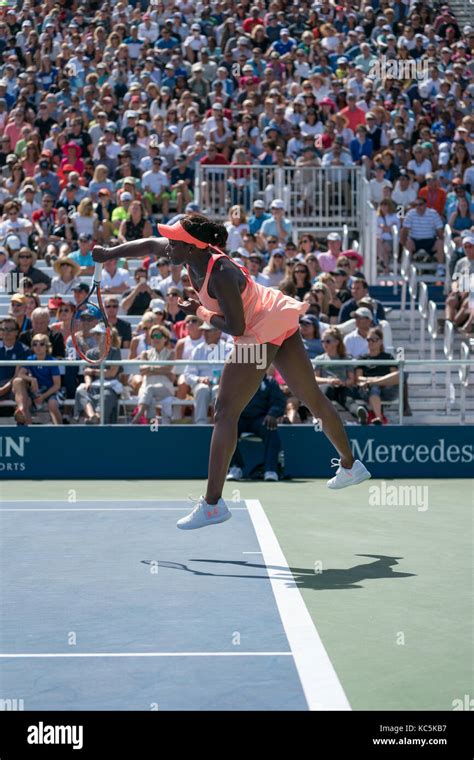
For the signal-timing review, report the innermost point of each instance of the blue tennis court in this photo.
(106, 606)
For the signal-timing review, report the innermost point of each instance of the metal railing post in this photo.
(401, 383)
(102, 394)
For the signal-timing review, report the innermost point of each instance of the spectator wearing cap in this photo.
(157, 386)
(310, 334)
(278, 226)
(254, 265)
(458, 309)
(80, 292)
(433, 194)
(46, 180)
(83, 254)
(67, 276)
(25, 260)
(157, 272)
(87, 397)
(18, 310)
(356, 341)
(328, 260)
(257, 217)
(260, 417)
(422, 229)
(194, 43)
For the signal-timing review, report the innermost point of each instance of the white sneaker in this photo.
(344, 478)
(205, 514)
(235, 473)
(270, 476)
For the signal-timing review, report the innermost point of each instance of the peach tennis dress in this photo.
(270, 316)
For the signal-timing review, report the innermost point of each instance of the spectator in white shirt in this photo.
(377, 184)
(201, 378)
(419, 165)
(236, 226)
(404, 194)
(114, 278)
(148, 30)
(356, 342)
(156, 185)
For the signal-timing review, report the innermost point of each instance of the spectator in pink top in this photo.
(328, 260)
(72, 157)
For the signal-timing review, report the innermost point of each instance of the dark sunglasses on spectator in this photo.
(25, 256)
(111, 306)
(277, 255)
(328, 340)
(193, 321)
(8, 329)
(157, 335)
(305, 240)
(272, 240)
(173, 295)
(300, 271)
(38, 343)
(373, 340)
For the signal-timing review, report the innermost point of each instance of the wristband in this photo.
(205, 314)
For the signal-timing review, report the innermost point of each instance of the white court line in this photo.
(321, 686)
(40, 655)
(108, 509)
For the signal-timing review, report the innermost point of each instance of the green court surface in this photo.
(389, 585)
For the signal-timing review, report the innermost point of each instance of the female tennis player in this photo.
(232, 302)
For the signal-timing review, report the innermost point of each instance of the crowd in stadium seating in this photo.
(108, 110)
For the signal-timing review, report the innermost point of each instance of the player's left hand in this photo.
(190, 306)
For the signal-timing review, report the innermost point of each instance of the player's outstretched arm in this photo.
(136, 249)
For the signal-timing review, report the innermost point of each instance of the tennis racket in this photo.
(91, 333)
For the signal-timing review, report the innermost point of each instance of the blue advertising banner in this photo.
(49, 453)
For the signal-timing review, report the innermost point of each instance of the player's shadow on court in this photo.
(315, 578)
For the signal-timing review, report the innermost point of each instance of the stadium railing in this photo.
(333, 196)
(402, 364)
(433, 333)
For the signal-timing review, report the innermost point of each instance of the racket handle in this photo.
(98, 272)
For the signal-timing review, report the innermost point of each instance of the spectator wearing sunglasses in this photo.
(87, 394)
(257, 217)
(302, 279)
(338, 383)
(376, 382)
(157, 386)
(124, 329)
(275, 270)
(309, 329)
(11, 349)
(37, 386)
(25, 261)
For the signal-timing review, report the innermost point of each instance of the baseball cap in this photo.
(44, 164)
(277, 203)
(468, 239)
(258, 204)
(334, 236)
(256, 255)
(126, 197)
(207, 326)
(362, 311)
(84, 236)
(309, 319)
(82, 286)
(157, 304)
(18, 297)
